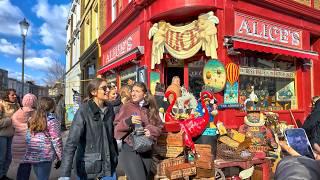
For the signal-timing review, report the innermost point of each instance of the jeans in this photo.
(113, 177)
(24, 170)
(5, 154)
(42, 170)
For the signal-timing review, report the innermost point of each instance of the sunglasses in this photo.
(104, 88)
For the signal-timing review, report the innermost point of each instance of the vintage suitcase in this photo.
(205, 173)
(170, 139)
(204, 164)
(161, 167)
(168, 151)
(180, 171)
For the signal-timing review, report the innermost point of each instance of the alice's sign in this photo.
(257, 29)
(266, 73)
(121, 47)
(183, 42)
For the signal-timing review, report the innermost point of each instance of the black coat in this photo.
(312, 124)
(91, 139)
(116, 104)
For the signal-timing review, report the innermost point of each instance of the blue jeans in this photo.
(24, 170)
(113, 177)
(5, 154)
(42, 170)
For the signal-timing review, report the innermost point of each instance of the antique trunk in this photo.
(170, 139)
(168, 151)
(180, 171)
(205, 173)
(161, 167)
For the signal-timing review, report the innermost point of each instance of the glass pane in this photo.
(195, 77)
(271, 84)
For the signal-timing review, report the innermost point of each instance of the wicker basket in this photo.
(228, 153)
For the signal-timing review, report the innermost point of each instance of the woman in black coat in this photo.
(312, 123)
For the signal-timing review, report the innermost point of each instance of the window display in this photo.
(127, 74)
(272, 83)
(195, 77)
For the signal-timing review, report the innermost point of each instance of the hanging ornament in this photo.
(232, 73)
(214, 76)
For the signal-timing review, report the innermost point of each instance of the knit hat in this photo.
(29, 100)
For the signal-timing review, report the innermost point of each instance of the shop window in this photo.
(111, 78)
(127, 74)
(195, 77)
(114, 10)
(271, 83)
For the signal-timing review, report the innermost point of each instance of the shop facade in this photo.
(275, 51)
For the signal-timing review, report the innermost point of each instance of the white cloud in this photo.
(52, 31)
(9, 48)
(40, 63)
(17, 75)
(10, 16)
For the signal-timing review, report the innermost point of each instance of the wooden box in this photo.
(205, 173)
(170, 139)
(161, 167)
(204, 164)
(181, 170)
(168, 151)
(203, 148)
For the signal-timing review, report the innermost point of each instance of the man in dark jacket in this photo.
(312, 123)
(298, 167)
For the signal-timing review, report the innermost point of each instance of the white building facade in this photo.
(73, 72)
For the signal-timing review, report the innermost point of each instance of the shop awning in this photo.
(239, 43)
(122, 60)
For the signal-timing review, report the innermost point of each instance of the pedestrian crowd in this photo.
(112, 126)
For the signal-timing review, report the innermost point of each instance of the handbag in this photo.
(141, 143)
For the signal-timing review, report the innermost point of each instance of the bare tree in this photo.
(55, 74)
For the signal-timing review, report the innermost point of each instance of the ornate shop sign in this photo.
(266, 73)
(184, 41)
(121, 47)
(257, 29)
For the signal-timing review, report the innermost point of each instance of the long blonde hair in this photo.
(38, 121)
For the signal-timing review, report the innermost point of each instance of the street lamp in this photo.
(24, 25)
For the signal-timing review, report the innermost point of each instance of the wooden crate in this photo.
(203, 148)
(170, 139)
(161, 167)
(205, 173)
(204, 164)
(180, 171)
(168, 151)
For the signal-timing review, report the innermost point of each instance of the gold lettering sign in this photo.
(184, 41)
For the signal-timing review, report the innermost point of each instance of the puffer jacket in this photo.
(91, 139)
(123, 121)
(20, 125)
(47, 145)
(312, 124)
(6, 111)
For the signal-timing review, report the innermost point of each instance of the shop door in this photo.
(174, 71)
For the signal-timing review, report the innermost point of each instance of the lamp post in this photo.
(24, 25)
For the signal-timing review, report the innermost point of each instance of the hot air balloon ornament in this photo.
(232, 73)
(232, 86)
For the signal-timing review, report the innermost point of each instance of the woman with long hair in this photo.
(8, 106)
(91, 137)
(20, 124)
(44, 141)
(140, 111)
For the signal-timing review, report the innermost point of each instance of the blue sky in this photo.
(45, 41)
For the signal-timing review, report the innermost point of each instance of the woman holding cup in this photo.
(140, 114)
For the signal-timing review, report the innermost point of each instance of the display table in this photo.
(263, 163)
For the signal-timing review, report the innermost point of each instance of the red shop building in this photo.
(274, 43)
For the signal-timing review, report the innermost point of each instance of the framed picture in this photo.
(154, 78)
(142, 74)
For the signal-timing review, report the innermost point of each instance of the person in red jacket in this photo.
(141, 110)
